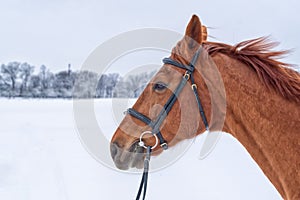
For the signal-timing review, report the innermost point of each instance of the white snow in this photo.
(41, 157)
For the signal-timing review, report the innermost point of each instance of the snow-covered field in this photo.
(41, 157)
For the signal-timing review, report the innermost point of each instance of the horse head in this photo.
(181, 122)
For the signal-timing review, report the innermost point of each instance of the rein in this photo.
(143, 184)
(156, 124)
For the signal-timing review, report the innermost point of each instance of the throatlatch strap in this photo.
(200, 107)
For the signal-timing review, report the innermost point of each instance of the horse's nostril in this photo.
(113, 150)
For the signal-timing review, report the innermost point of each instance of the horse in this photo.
(262, 112)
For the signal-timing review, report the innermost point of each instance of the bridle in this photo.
(156, 124)
(189, 74)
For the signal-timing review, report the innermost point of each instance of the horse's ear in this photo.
(193, 32)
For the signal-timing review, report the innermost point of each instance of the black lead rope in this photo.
(143, 184)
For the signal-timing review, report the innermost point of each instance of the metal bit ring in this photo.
(142, 144)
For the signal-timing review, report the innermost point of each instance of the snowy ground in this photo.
(41, 157)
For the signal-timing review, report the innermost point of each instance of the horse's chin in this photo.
(130, 158)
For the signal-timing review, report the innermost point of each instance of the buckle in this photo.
(186, 75)
(194, 86)
(164, 146)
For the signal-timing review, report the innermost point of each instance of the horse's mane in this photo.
(258, 54)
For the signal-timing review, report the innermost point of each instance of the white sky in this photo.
(56, 33)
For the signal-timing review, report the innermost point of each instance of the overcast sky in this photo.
(59, 32)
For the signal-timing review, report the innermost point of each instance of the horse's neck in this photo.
(265, 123)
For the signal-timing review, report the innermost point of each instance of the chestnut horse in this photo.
(262, 106)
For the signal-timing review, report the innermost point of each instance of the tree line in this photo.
(19, 80)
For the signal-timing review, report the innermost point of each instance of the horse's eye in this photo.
(159, 86)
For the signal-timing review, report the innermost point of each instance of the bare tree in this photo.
(25, 72)
(46, 79)
(43, 77)
(11, 72)
(85, 84)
